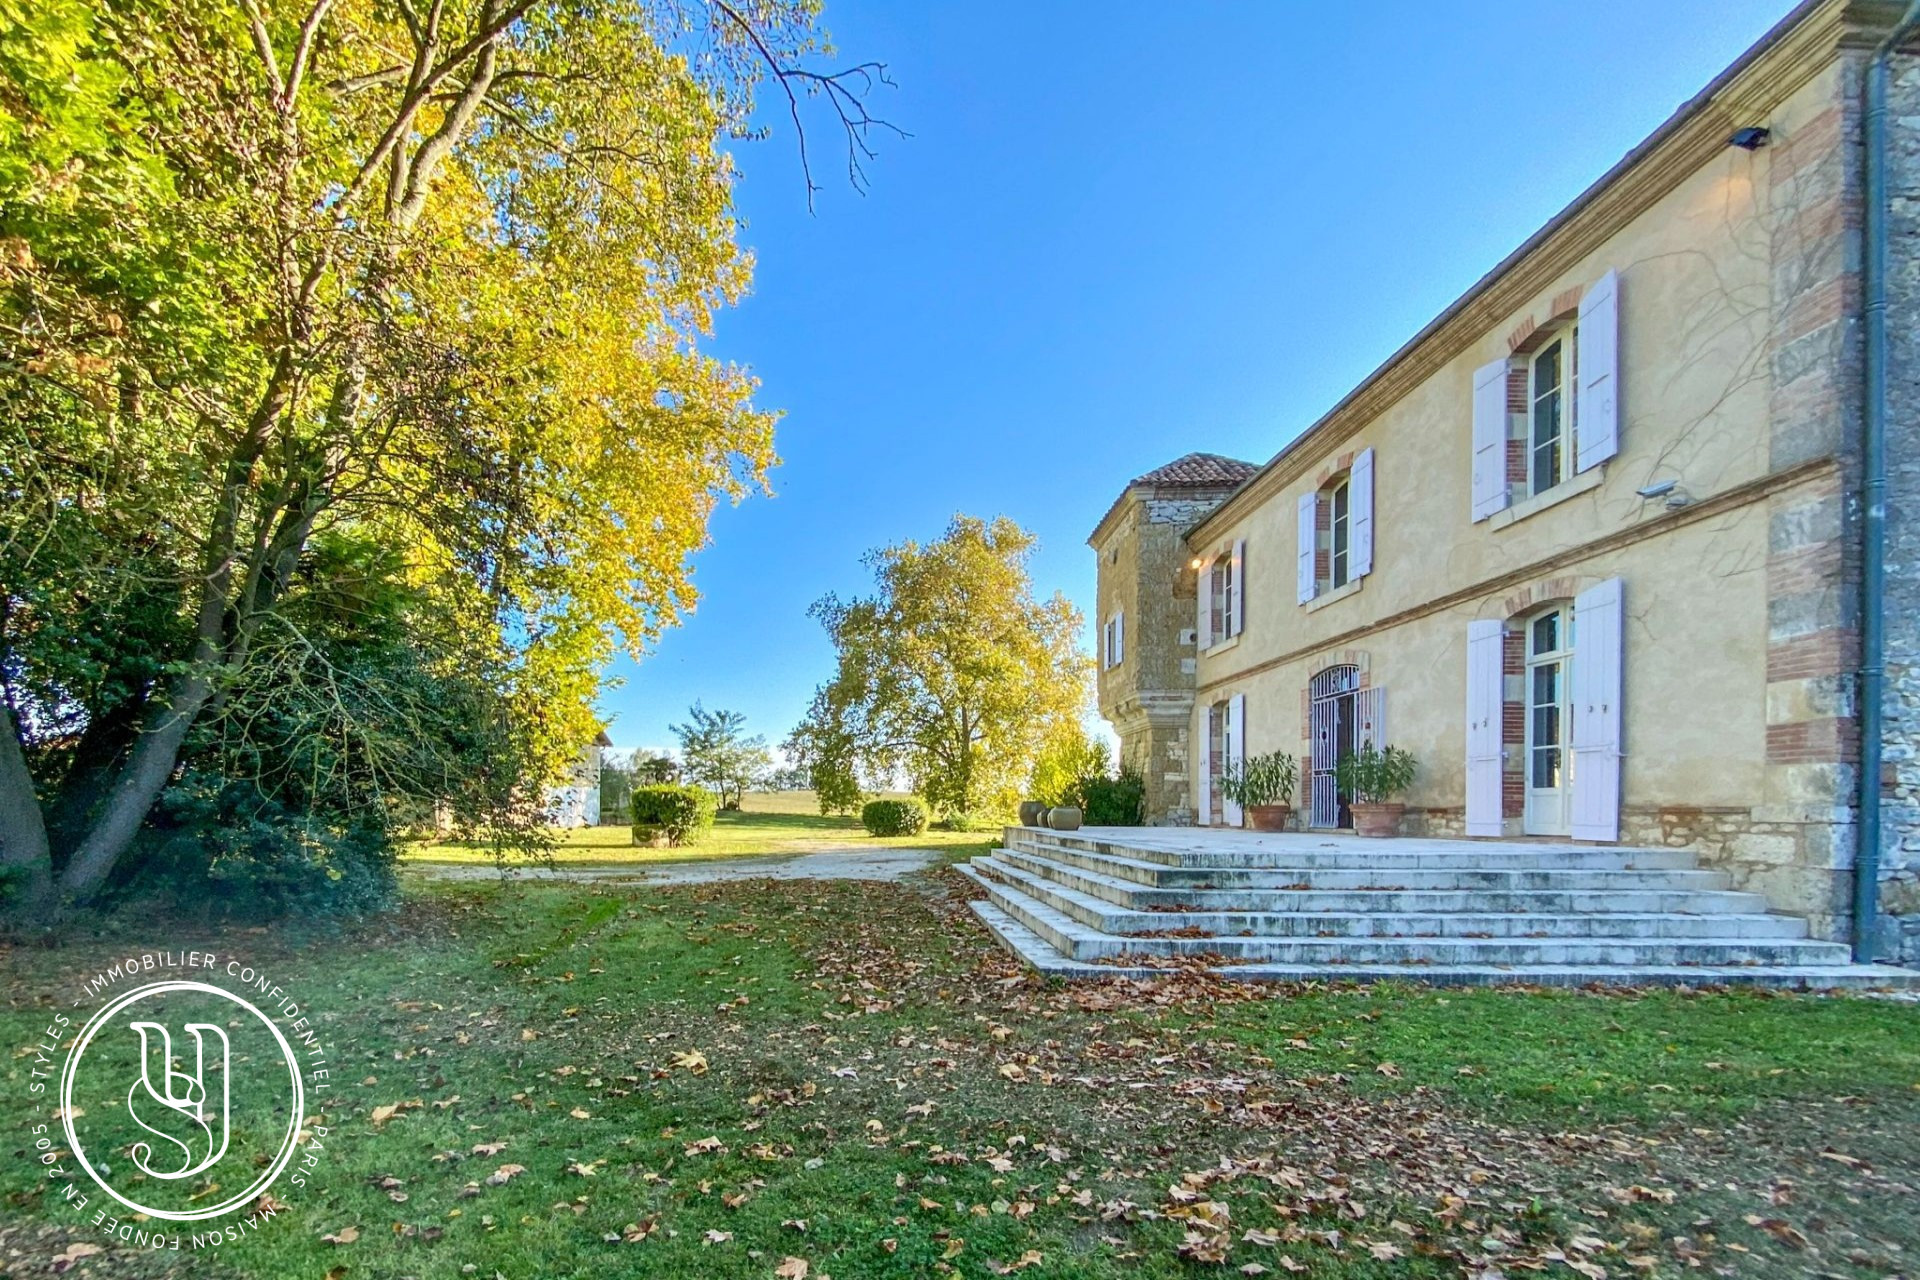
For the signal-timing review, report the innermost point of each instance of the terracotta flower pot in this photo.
(1377, 819)
(1032, 813)
(1268, 817)
(1062, 818)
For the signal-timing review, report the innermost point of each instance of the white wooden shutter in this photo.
(1485, 663)
(1203, 782)
(1597, 686)
(1119, 636)
(1360, 515)
(1489, 439)
(1236, 750)
(1370, 708)
(1596, 421)
(1237, 587)
(1203, 629)
(1309, 534)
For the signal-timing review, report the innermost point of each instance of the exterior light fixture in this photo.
(1751, 138)
(1194, 563)
(1676, 496)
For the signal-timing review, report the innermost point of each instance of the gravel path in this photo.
(851, 863)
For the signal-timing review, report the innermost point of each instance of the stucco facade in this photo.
(1671, 376)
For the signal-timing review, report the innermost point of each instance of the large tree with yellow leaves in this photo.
(314, 303)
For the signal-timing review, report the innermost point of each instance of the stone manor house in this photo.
(1591, 544)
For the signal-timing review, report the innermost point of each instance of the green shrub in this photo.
(965, 821)
(682, 814)
(895, 817)
(220, 849)
(1114, 802)
(1373, 776)
(1063, 764)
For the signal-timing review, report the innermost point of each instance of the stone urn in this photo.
(1268, 817)
(1377, 819)
(1032, 813)
(1063, 818)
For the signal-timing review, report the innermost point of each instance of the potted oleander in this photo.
(1263, 788)
(1373, 778)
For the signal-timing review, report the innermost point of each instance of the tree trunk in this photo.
(137, 787)
(24, 852)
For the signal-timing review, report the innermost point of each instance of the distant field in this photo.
(769, 822)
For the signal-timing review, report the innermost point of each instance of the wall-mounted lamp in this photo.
(1194, 563)
(1670, 490)
(1751, 138)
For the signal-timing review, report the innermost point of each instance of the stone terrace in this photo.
(1132, 901)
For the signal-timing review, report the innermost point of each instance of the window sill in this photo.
(1586, 482)
(1326, 598)
(1220, 646)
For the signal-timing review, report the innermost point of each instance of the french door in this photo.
(1549, 714)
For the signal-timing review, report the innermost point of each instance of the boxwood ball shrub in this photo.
(679, 814)
(894, 817)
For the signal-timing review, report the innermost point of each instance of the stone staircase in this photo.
(1128, 901)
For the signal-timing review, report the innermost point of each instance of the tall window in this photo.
(1546, 452)
(1220, 588)
(1340, 501)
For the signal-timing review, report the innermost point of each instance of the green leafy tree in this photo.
(716, 752)
(951, 674)
(430, 276)
(1069, 757)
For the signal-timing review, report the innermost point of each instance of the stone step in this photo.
(1108, 917)
(1041, 956)
(1304, 852)
(1370, 877)
(1119, 882)
(1078, 941)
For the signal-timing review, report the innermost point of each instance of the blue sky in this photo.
(1120, 233)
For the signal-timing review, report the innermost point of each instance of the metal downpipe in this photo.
(1873, 569)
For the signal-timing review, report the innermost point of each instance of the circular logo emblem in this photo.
(182, 1100)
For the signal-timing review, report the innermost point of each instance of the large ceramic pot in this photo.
(1063, 818)
(1377, 819)
(1268, 817)
(1031, 813)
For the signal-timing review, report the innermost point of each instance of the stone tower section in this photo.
(1146, 619)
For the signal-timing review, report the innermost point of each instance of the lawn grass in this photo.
(704, 1081)
(767, 823)
(1558, 1056)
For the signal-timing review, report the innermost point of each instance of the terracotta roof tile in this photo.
(1198, 471)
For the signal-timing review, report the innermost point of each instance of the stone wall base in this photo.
(1158, 750)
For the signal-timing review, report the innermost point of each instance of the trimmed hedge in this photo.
(681, 814)
(1114, 802)
(894, 817)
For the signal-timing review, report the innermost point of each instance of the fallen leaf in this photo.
(345, 1235)
(792, 1269)
(72, 1254)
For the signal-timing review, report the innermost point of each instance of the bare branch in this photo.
(849, 104)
